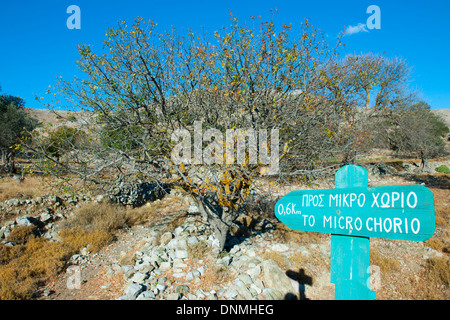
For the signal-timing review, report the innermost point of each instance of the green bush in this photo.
(443, 169)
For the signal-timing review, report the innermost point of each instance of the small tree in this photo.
(148, 86)
(14, 124)
(418, 131)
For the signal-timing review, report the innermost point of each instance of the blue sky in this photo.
(37, 46)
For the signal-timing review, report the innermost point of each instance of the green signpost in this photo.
(354, 212)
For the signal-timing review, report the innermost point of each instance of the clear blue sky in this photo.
(36, 45)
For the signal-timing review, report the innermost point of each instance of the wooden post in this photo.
(350, 255)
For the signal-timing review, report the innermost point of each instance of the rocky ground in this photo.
(162, 261)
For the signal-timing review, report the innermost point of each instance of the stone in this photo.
(165, 266)
(133, 290)
(243, 290)
(255, 288)
(245, 278)
(273, 294)
(179, 230)
(275, 278)
(183, 289)
(201, 269)
(46, 217)
(12, 202)
(55, 199)
(174, 296)
(231, 293)
(179, 274)
(213, 242)
(145, 267)
(181, 254)
(193, 275)
(212, 296)
(100, 198)
(200, 294)
(128, 271)
(279, 247)
(139, 277)
(254, 272)
(179, 264)
(235, 249)
(24, 221)
(165, 238)
(138, 193)
(192, 240)
(146, 295)
(161, 287)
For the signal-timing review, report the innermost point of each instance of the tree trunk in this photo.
(220, 232)
(8, 160)
(219, 218)
(424, 163)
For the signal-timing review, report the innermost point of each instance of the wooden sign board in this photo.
(392, 212)
(352, 213)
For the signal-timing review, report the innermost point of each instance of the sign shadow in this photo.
(303, 279)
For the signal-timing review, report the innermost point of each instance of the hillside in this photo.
(444, 113)
(83, 247)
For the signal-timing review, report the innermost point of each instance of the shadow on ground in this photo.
(303, 279)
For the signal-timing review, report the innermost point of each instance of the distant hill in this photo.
(444, 113)
(55, 118)
(58, 117)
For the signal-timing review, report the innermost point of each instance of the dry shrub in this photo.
(177, 221)
(141, 215)
(24, 267)
(21, 234)
(98, 216)
(283, 234)
(435, 244)
(385, 264)
(441, 205)
(111, 217)
(280, 259)
(437, 271)
(214, 276)
(77, 238)
(198, 250)
(434, 281)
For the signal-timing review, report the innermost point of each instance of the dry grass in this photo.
(32, 261)
(78, 237)
(25, 266)
(215, 275)
(442, 207)
(431, 284)
(285, 235)
(30, 187)
(198, 250)
(435, 244)
(386, 264)
(97, 216)
(21, 234)
(109, 217)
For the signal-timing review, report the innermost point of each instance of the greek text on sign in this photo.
(393, 212)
